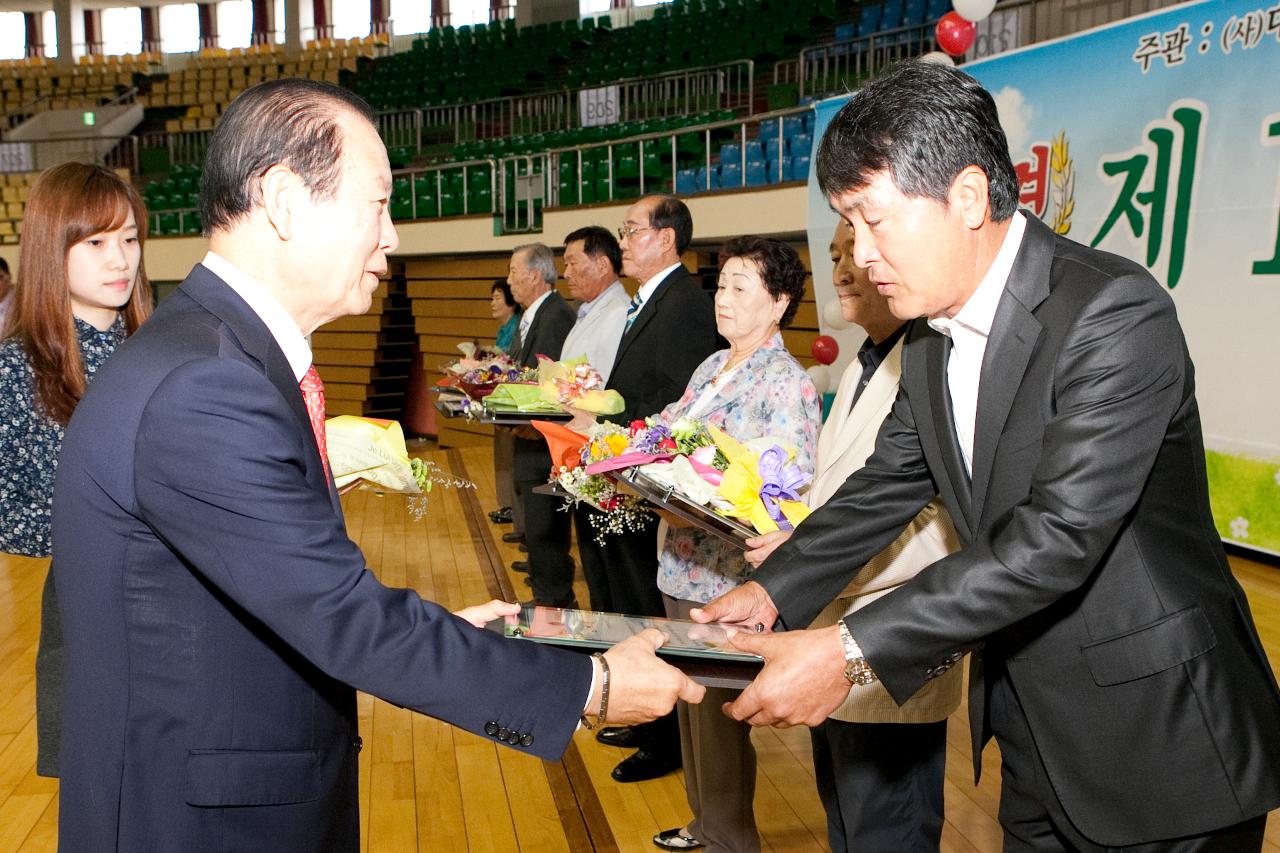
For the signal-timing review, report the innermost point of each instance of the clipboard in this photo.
(701, 651)
(636, 482)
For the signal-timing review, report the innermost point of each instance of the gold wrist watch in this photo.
(856, 668)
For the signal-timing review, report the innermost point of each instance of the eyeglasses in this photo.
(627, 231)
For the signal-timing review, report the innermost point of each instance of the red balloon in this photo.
(955, 34)
(825, 349)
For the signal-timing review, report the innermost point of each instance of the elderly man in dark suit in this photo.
(670, 329)
(546, 320)
(217, 618)
(1048, 394)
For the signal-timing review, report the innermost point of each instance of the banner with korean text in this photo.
(1158, 138)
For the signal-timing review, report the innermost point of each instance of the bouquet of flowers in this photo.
(576, 384)
(481, 370)
(756, 482)
(372, 451)
(572, 453)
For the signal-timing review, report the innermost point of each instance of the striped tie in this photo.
(633, 308)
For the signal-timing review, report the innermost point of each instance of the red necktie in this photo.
(313, 395)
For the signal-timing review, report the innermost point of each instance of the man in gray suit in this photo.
(1047, 393)
(546, 320)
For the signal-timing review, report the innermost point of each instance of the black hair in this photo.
(597, 241)
(671, 212)
(923, 124)
(780, 268)
(501, 284)
(293, 122)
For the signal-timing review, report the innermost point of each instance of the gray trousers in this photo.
(49, 656)
(719, 766)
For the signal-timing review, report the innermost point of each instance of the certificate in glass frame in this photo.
(590, 630)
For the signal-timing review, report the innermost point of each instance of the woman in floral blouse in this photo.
(753, 389)
(80, 289)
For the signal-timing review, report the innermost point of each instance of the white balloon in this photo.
(973, 10)
(821, 376)
(832, 317)
(937, 57)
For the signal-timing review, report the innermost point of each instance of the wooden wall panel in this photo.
(364, 360)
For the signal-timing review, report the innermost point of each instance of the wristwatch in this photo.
(856, 668)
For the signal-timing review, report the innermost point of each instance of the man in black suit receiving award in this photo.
(1048, 394)
(670, 329)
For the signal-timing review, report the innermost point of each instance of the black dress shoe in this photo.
(520, 566)
(623, 736)
(675, 839)
(501, 516)
(512, 537)
(642, 766)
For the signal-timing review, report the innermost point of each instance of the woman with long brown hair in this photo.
(80, 290)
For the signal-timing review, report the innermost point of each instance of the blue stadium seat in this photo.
(754, 149)
(800, 167)
(800, 144)
(794, 126)
(773, 147)
(729, 152)
(756, 174)
(687, 182)
(730, 176)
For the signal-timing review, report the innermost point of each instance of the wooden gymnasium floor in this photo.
(425, 786)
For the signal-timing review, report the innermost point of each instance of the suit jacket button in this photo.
(491, 728)
(358, 743)
(527, 740)
(955, 657)
(503, 733)
(930, 673)
(515, 737)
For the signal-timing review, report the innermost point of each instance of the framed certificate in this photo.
(515, 417)
(702, 651)
(636, 482)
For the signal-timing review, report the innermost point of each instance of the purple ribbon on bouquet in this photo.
(781, 480)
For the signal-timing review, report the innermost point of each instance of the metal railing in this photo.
(836, 67)
(440, 178)
(537, 176)
(114, 152)
(184, 146)
(729, 85)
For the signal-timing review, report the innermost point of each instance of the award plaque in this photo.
(702, 651)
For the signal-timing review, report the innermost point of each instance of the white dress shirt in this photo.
(969, 330)
(279, 322)
(599, 329)
(646, 290)
(526, 319)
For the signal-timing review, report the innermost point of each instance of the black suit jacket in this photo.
(1091, 569)
(550, 326)
(674, 332)
(218, 620)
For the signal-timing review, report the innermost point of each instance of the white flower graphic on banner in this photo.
(1239, 527)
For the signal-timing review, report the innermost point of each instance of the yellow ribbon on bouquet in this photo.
(742, 485)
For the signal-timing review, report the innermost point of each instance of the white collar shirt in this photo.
(969, 331)
(279, 322)
(646, 290)
(599, 329)
(526, 319)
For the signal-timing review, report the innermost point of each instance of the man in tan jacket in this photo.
(879, 766)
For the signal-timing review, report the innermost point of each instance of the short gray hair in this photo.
(537, 256)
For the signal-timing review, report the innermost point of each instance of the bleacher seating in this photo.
(37, 84)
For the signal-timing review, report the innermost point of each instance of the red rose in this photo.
(637, 425)
(610, 504)
(668, 445)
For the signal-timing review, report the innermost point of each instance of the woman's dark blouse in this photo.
(29, 441)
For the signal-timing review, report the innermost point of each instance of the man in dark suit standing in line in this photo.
(1047, 392)
(546, 320)
(218, 620)
(670, 330)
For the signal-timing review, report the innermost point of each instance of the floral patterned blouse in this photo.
(30, 441)
(769, 395)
